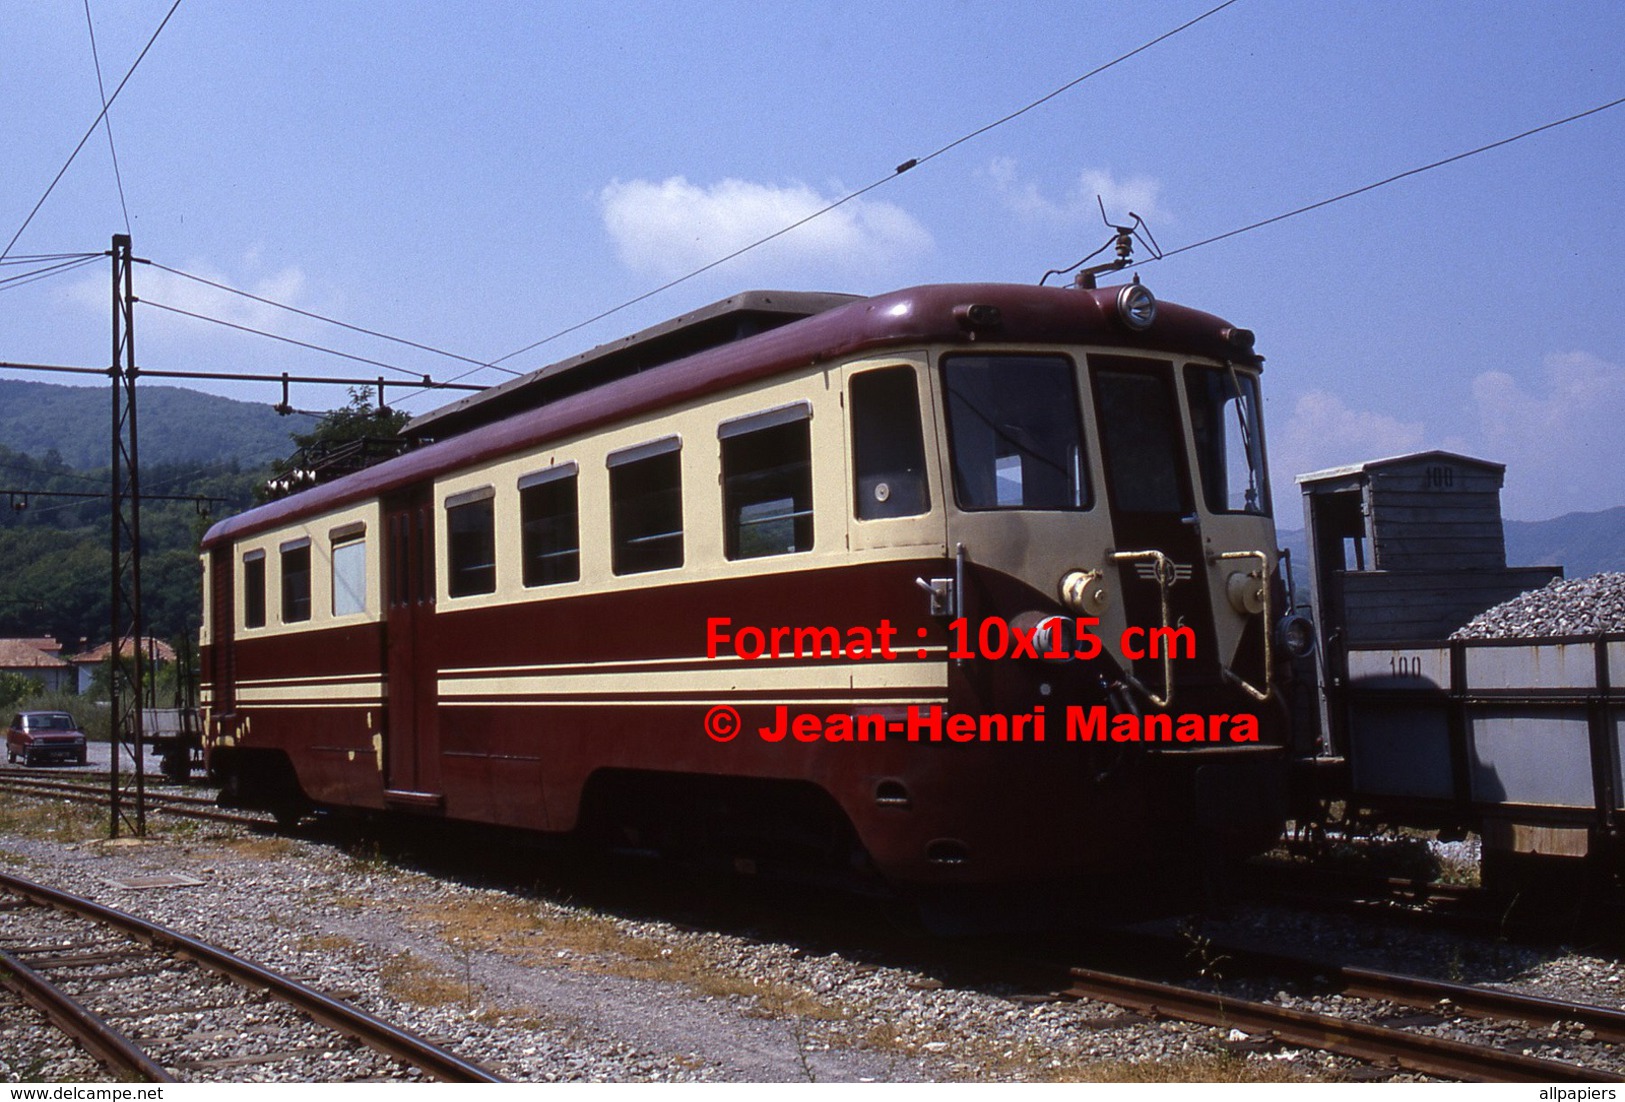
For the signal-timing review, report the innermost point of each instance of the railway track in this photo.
(1367, 1028)
(184, 805)
(89, 968)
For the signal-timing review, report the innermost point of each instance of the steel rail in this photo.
(21, 782)
(334, 1013)
(1425, 993)
(1421, 992)
(117, 1052)
(1435, 1056)
(155, 803)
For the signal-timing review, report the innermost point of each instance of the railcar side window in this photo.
(1013, 426)
(296, 582)
(549, 516)
(1229, 443)
(349, 571)
(767, 483)
(471, 543)
(646, 507)
(254, 589)
(888, 445)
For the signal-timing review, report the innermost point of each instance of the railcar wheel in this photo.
(176, 764)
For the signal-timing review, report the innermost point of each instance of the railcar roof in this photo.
(733, 319)
(900, 319)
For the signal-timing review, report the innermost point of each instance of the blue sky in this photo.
(479, 176)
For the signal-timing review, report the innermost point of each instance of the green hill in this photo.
(176, 425)
(53, 553)
(1581, 543)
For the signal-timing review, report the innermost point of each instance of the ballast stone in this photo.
(1577, 606)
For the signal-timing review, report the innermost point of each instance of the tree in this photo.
(15, 688)
(344, 440)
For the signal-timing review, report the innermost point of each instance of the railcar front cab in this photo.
(1107, 493)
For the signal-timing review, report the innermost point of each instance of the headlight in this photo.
(1296, 634)
(1137, 306)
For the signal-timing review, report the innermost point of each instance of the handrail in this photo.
(1264, 586)
(1164, 571)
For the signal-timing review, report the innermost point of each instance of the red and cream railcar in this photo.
(540, 617)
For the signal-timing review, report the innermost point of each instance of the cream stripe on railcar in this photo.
(923, 678)
(355, 693)
(284, 682)
(907, 655)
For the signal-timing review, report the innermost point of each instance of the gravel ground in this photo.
(542, 989)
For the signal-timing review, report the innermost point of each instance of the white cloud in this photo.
(672, 227)
(155, 287)
(1082, 202)
(1560, 438)
(1323, 431)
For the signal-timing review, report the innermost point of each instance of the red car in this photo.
(36, 737)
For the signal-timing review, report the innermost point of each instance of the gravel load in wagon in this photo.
(1579, 606)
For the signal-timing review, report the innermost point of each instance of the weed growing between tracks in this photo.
(51, 820)
(539, 935)
(261, 846)
(411, 979)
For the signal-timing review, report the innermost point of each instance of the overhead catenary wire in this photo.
(107, 121)
(324, 318)
(92, 129)
(905, 166)
(286, 340)
(45, 272)
(496, 364)
(39, 258)
(1396, 177)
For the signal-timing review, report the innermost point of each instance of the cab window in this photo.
(1225, 426)
(1014, 432)
(888, 445)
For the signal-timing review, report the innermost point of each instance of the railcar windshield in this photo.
(1226, 427)
(1015, 434)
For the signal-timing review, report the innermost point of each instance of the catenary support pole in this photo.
(126, 661)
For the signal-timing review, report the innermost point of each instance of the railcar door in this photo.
(221, 663)
(1152, 503)
(411, 724)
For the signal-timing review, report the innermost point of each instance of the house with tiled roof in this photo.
(39, 659)
(155, 651)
